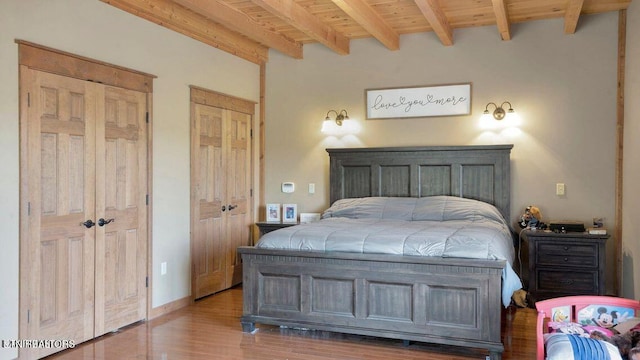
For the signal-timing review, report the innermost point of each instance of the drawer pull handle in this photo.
(566, 248)
(566, 282)
(566, 259)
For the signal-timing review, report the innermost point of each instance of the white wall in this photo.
(631, 200)
(562, 86)
(100, 31)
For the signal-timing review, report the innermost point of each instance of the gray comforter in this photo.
(441, 226)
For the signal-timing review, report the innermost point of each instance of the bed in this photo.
(445, 299)
(567, 327)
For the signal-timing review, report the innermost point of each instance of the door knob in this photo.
(231, 207)
(88, 224)
(103, 222)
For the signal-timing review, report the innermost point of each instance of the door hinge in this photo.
(251, 133)
(147, 117)
(28, 316)
(146, 281)
(251, 193)
(147, 199)
(29, 208)
(28, 99)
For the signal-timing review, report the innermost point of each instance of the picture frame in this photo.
(418, 101)
(273, 212)
(290, 213)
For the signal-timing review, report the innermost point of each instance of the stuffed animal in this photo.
(624, 342)
(519, 298)
(531, 217)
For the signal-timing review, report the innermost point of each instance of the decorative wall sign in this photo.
(438, 100)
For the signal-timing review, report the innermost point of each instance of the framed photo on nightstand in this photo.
(290, 213)
(273, 212)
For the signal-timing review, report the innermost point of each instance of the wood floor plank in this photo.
(210, 329)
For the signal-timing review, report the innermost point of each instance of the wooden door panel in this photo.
(121, 198)
(238, 192)
(64, 123)
(221, 208)
(208, 195)
(57, 276)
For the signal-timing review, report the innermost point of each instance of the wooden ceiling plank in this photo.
(436, 17)
(181, 20)
(300, 18)
(236, 20)
(572, 15)
(371, 21)
(502, 18)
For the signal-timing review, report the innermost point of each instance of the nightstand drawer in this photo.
(552, 248)
(548, 253)
(567, 260)
(578, 282)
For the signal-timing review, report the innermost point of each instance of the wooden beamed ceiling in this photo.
(249, 28)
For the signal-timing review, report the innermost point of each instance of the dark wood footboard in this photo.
(436, 300)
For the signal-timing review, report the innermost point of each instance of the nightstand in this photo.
(266, 227)
(562, 264)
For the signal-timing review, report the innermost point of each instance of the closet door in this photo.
(121, 210)
(208, 200)
(238, 192)
(221, 210)
(84, 241)
(57, 257)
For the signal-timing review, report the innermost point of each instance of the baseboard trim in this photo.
(169, 307)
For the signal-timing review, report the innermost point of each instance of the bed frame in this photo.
(449, 301)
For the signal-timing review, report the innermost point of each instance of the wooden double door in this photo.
(221, 206)
(84, 230)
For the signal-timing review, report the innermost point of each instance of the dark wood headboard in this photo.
(480, 172)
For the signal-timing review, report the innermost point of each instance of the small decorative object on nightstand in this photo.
(562, 264)
(268, 226)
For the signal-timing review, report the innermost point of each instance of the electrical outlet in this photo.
(560, 189)
(163, 268)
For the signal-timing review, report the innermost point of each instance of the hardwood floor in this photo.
(210, 329)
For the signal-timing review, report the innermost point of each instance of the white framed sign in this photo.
(422, 101)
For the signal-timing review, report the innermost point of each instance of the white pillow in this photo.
(558, 347)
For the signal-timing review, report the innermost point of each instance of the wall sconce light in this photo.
(499, 113)
(340, 116)
(338, 125)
